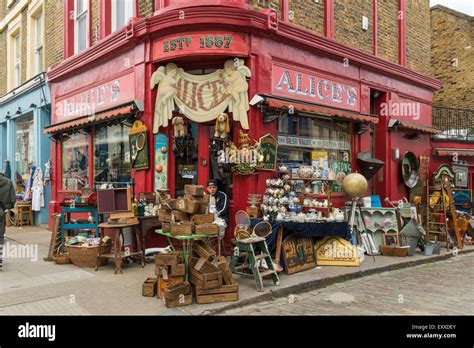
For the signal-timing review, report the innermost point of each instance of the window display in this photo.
(75, 161)
(24, 150)
(112, 153)
(320, 143)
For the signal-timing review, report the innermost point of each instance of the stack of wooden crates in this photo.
(188, 215)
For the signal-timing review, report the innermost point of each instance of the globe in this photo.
(354, 185)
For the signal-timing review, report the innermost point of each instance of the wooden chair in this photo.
(25, 209)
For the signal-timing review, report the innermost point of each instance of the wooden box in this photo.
(394, 251)
(169, 259)
(224, 293)
(178, 270)
(164, 215)
(165, 227)
(207, 229)
(202, 200)
(205, 280)
(172, 292)
(149, 287)
(203, 250)
(168, 204)
(163, 283)
(114, 200)
(203, 209)
(200, 219)
(183, 228)
(194, 190)
(227, 276)
(187, 205)
(185, 301)
(178, 215)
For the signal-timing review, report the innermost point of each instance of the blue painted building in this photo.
(24, 112)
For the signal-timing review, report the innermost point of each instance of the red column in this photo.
(375, 28)
(402, 43)
(285, 9)
(329, 19)
(68, 28)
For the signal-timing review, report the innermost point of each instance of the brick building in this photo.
(31, 40)
(452, 60)
(327, 74)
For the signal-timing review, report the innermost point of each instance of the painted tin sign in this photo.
(312, 143)
(312, 87)
(102, 97)
(201, 43)
(161, 162)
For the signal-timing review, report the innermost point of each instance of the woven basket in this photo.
(87, 256)
(62, 259)
(394, 251)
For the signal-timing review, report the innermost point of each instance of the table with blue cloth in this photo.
(308, 229)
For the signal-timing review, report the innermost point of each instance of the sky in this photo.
(464, 6)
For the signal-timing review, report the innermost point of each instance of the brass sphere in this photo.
(354, 185)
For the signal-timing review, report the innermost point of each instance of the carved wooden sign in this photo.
(334, 251)
(298, 253)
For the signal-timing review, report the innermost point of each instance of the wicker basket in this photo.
(87, 256)
(394, 251)
(62, 259)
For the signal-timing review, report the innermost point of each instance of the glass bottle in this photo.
(135, 207)
(141, 208)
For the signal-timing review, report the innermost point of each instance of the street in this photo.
(439, 288)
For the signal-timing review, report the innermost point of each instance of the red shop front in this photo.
(308, 98)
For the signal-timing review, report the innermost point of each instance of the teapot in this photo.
(338, 214)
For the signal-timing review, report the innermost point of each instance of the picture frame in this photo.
(138, 138)
(390, 239)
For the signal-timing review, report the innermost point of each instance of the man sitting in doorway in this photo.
(218, 200)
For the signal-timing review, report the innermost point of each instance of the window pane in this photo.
(39, 30)
(75, 162)
(16, 47)
(39, 60)
(81, 6)
(112, 154)
(123, 10)
(24, 153)
(81, 33)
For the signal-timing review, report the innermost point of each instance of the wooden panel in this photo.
(222, 297)
(298, 253)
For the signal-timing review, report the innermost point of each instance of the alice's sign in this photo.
(95, 99)
(201, 43)
(334, 251)
(308, 86)
(312, 143)
(201, 98)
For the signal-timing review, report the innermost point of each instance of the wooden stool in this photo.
(25, 208)
(246, 248)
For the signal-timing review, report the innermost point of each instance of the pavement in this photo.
(36, 287)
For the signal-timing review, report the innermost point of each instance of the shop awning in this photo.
(413, 126)
(87, 120)
(321, 110)
(452, 152)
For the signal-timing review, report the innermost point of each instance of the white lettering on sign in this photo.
(312, 143)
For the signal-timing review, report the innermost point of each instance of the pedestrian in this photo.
(218, 200)
(7, 201)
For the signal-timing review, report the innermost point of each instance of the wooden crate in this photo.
(182, 228)
(178, 270)
(224, 293)
(203, 209)
(207, 229)
(149, 287)
(194, 190)
(168, 204)
(202, 265)
(394, 251)
(178, 215)
(165, 227)
(173, 291)
(163, 283)
(227, 276)
(205, 280)
(186, 301)
(169, 259)
(187, 205)
(202, 200)
(200, 219)
(164, 215)
(202, 250)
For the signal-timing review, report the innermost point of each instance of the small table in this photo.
(118, 255)
(24, 208)
(187, 246)
(146, 223)
(66, 224)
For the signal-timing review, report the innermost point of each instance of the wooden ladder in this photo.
(246, 248)
(446, 185)
(435, 213)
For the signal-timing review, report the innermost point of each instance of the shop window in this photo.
(112, 154)
(222, 172)
(122, 11)
(313, 141)
(75, 161)
(186, 160)
(24, 151)
(81, 25)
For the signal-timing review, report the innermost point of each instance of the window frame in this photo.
(128, 12)
(38, 46)
(77, 18)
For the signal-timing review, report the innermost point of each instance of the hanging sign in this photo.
(341, 169)
(310, 86)
(215, 42)
(334, 251)
(268, 148)
(298, 253)
(462, 200)
(138, 146)
(201, 98)
(161, 162)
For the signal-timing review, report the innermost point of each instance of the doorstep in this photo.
(316, 278)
